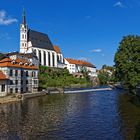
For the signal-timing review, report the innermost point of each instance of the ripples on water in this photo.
(86, 116)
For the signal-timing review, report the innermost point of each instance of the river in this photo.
(79, 116)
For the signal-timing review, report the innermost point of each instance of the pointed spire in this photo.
(23, 17)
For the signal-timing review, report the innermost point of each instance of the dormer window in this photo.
(26, 64)
(13, 62)
(20, 63)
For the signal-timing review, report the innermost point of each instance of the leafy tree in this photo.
(127, 62)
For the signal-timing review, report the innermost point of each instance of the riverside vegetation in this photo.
(52, 77)
(127, 72)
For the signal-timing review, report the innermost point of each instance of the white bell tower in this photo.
(23, 34)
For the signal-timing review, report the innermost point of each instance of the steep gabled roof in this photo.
(40, 40)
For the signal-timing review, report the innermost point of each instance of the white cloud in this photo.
(96, 50)
(5, 20)
(119, 4)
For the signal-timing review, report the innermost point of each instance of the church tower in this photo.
(23, 34)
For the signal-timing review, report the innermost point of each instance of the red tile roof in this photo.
(80, 62)
(57, 49)
(7, 62)
(2, 76)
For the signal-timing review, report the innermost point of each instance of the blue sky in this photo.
(83, 29)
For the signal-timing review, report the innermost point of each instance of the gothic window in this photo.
(40, 56)
(23, 44)
(53, 59)
(44, 58)
(35, 52)
(25, 36)
(49, 63)
(22, 36)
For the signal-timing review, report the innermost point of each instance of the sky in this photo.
(90, 30)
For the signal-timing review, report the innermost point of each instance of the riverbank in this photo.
(9, 99)
(130, 113)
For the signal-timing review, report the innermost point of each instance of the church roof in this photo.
(40, 40)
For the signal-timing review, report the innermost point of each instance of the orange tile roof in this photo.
(2, 76)
(7, 62)
(57, 49)
(80, 62)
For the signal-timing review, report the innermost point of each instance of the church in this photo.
(32, 41)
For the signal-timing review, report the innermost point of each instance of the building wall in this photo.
(46, 57)
(3, 88)
(21, 80)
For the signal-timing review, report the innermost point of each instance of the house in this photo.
(76, 66)
(18, 75)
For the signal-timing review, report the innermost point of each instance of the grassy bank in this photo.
(130, 113)
(52, 77)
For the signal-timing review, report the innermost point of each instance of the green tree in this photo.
(127, 62)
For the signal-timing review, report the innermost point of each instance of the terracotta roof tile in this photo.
(57, 49)
(7, 62)
(80, 62)
(2, 76)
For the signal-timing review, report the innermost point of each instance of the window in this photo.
(2, 88)
(22, 36)
(16, 72)
(49, 59)
(11, 72)
(11, 90)
(26, 82)
(25, 36)
(35, 81)
(26, 89)
(16, 82)
(21, 73)
(33, 74)
(27, 73)
(45, 58)
(16, 90)
(11, 82)
(23, 44)
(21, 82)
(53, 59)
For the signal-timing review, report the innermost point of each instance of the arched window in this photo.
(39, 56)
(49, 60)
(44, 58)
(53, 59)
(35, 52)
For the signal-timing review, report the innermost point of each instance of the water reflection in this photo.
(69, 116)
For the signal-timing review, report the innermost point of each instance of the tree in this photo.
(127, 62)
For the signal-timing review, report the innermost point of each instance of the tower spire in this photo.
(23, 17)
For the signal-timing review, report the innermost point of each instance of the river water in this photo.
(80, 116)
